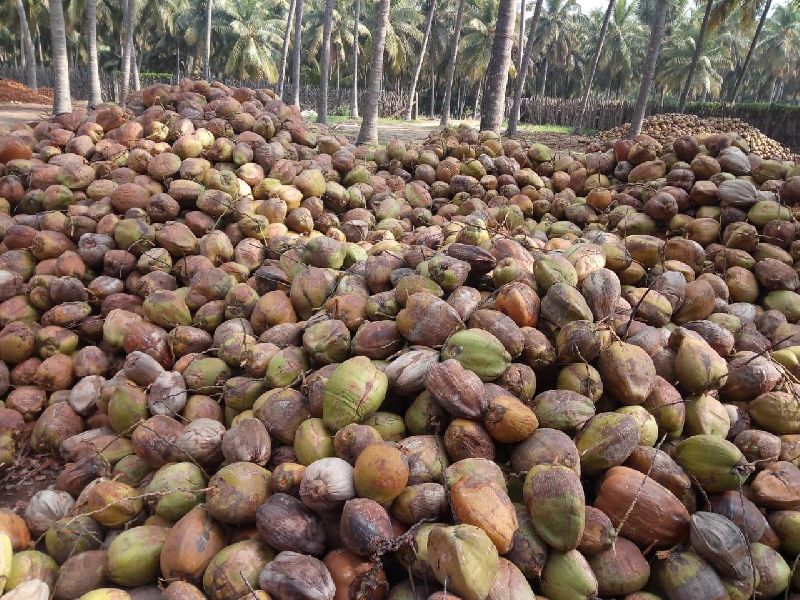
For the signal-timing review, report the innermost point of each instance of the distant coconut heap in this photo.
(666, 128)
(276, 365)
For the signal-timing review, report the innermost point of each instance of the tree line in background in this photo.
(452, 53)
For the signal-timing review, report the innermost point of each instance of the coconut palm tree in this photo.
(254, 34)
(368, 134)
(624, 46)
(298, 38)
(403, 38)
(95, 93)
(680, 50)
(413, 90)
(698, 50)
(601, 39)
(341, 33)
(522, 74)
(325, 61)
(558, 36)
(207, 47)
(191, 20)
(779, 51)
(451, 64)
(129, 7)
(356, 24)
(753, 44)
(521, 34)
(62, 100)
(477, 36)
(657, 29)
(27, 45)
(494, 98)
(285, 51)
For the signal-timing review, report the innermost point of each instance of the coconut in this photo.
(31, 565)
(236, 491)
(133, 557)
(234, 571)
(45, 508)
(80, 574)
(297, 575)
(463, 558)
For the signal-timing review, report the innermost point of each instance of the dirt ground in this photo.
(12, 113)
(29, 474)
(417, 131)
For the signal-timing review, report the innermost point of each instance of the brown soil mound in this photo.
(14, 91)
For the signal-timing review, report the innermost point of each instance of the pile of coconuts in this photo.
(277, 366)
(667, 127)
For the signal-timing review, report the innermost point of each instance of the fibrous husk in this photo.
(556, 504)
(189, 546)
(133, 557)
(465, 559)
(234, 571)
(297, 575)
(656, 516)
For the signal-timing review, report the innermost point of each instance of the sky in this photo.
(589, 5)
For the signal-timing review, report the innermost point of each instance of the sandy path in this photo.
(13, 113)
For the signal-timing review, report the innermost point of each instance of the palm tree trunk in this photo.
(521, 40)
(325, 63)
(595, 59)
(649, 68)
(522, 75)
(137, 84)
(368, 134)
(356, 27)
(298, 37)
(451, 64)
(494, 98)
(433, 90)
(27, 45)
(207, 63)
(544, 77)
(412, 93)
(753, 44)
(477, 99)
(285, 51)
(698, 50)
(95, 93)
(177, 62)
(62, 101)
(127, 46)
(39, 44)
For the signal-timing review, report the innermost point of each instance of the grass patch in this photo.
(530, 128)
